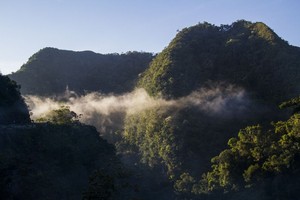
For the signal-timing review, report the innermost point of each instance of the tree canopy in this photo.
(256, 160)
(63, 115)
(13, 109)
(247, 54)
(52, 70)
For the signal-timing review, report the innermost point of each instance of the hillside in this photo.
(205, 132)
(13, 109)
(221, 79)
(50, 71)
(58, 159)
(246, 54)
(43, 161)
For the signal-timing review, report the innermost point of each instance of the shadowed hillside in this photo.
(50, 71)
(227, 77)
(57, 159)
(43, 161)
(188, 138)
(13, 109)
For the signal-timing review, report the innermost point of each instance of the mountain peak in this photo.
(265, 32)
(242, 53)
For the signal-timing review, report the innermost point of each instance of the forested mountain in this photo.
(224, 78)
(212, 128)
(57, 159)
(44, 161)
(12, 106)
(50, 71)
(247, 54)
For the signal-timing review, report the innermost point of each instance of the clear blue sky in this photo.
(109, 26)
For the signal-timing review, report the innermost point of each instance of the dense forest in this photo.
(215, 115)
(50, 71)
(12, 106)
(237, 74)
(57, 158)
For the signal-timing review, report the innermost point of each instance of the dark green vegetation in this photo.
(219, 80)
(180, 141)
(50, 71)
(258, 160)
(47, 161)
(54, 159)
(247, 54)
(12, 106)
(293, 103)
(60, 116)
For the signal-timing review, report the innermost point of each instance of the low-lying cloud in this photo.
(217, 99)
(107, 112)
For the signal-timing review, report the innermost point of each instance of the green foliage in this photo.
(177, 143)
(9, 91)
(113, 182)
(256, 157)
(157, 83)
(151, 131)
(47, 161)
(292, 103)
(181, 141)
(185, 183)
(247, 54)
(13, 110)
(63, 115)
(52, 70)
(101, 186)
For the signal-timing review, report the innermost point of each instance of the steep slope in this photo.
(13, 110)
(52, 160)
(258, 164)
(247, 54)
(221, 80)
(46, 161)
(51, 70)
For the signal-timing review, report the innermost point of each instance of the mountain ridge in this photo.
(239, 53)
(206, 58)
(52, 70)
(233, 76)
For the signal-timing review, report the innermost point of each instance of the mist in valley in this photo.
(107, 112)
